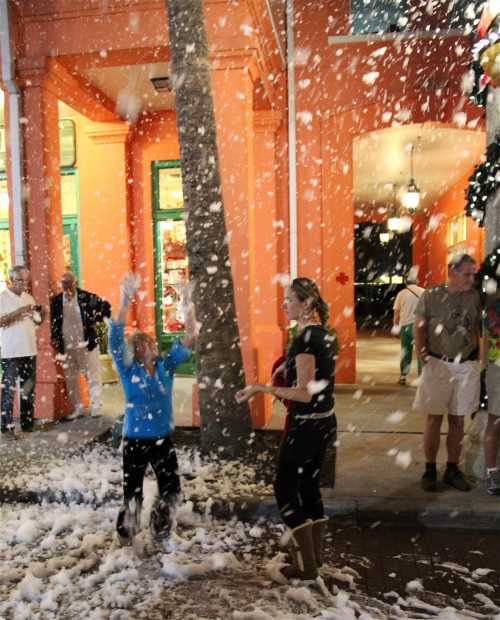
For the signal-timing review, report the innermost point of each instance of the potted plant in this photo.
(108, 372)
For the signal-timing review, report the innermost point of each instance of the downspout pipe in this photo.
(15, 137)
(292, 139)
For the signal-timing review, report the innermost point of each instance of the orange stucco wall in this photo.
(152, 138)
(335, 104)
(116, 206)
(433, 234)
(102, 180)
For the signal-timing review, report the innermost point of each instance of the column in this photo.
(337, 239)
(309, 187)
(233, 99)
(267, 335)
(104, 219)
(43, 219)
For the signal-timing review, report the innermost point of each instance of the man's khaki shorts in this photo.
(493, 387)
(445, 387)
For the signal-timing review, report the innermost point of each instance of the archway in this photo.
(390, 239)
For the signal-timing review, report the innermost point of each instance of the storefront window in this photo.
(378, 16)
(4, 257)
(170, 189)
(382, 16)
(4, 200)
(457, 230)
(69, 206)
(4, 234)
(3, 149)
(170, 244)
(171, 261)
(67, 144)
(67, 251)
(174, 273)
(69, 194)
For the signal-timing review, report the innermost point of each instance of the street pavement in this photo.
(378, 466)
(59, 559)
(61, 488)
(382, 572)
(377, 469)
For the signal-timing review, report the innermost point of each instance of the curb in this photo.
(477, 513)
(364, 511)
(20, 496)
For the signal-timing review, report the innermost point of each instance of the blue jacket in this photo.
(148, 400)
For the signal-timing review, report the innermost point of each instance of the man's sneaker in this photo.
(429, 481)
(402, 380)
(493, 482)
(456, 479)
(77, 412)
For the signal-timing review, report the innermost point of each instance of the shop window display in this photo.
(171, 260)
(174, 273)
(69, 207)
(4, 257)
(4, 234)
(170, 189)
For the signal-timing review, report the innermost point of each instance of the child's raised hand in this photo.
(129, 287)
(186, 301)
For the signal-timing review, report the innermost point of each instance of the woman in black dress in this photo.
(309, 370)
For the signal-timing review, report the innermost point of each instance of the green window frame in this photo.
(165, 340)
(67, 137)
(71, 226)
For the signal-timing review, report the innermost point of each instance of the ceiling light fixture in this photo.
(411, 197)
(162, 84)
(394, 224)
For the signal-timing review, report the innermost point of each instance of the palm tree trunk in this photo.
(225, 426)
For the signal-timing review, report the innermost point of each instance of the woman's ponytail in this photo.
(321, 308)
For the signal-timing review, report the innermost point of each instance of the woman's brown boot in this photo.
(302, 552)
(319, 528)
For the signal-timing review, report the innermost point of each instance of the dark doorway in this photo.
(381, 261)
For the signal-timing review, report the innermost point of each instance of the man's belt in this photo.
(314, 416)
(472, 357)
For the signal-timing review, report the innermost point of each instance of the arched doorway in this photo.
(391, 239)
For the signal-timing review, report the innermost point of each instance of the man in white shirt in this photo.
(19, 316)
(404, 316)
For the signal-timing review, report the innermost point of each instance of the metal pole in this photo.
(15, 138)
(292, 139)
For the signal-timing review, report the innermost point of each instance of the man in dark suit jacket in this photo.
(74, 314)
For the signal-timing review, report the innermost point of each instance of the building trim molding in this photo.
(109, 135)
(396, 37)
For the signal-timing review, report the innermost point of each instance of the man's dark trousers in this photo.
(13, 368)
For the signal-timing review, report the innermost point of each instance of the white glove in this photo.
(129, 287)
(185, 303)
